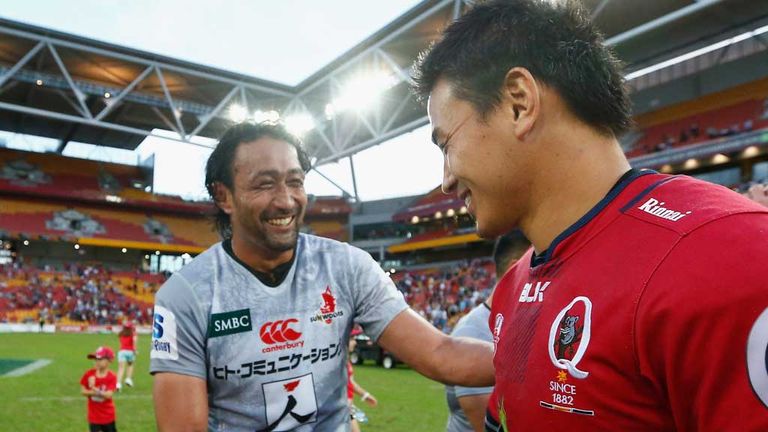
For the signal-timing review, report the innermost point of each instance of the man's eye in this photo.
(296, 183)
(265, 185)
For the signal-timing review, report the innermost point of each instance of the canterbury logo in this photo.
(279, 331)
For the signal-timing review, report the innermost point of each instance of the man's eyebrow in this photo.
(276, 173)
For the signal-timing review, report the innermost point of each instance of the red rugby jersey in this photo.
(100, 410)
(648, 314)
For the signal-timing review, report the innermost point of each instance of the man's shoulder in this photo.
(684, 204)
(311, 245)
(474, 324)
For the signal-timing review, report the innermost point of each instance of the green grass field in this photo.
(48, 399)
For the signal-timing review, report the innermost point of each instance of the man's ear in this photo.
(522, 98)
(223, 198)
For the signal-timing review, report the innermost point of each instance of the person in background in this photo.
(98, 385)
(467, 405)
(126, 356)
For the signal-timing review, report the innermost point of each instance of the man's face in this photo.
(268, 201)
(483, 161)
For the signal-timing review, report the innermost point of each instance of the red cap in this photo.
(128, 323)
(102, 352)
(356, 331)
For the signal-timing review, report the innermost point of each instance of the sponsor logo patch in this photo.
(498, 322)
(757, 357)
(290, 403)
(227, 323)
(656, 208)
(281, 335)
(533, 293)
(164, 345)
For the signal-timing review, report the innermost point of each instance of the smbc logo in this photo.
(279, 331)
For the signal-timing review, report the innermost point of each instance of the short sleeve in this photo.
(178, 330)
(696, 320)
(377, 300)
(84, 380)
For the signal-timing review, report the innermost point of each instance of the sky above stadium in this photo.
(273, 40)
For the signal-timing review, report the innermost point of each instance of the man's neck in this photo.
(257, 257)
(580, 169)
(101, 372)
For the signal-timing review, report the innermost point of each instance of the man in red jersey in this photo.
(98, 385)
(643, 304)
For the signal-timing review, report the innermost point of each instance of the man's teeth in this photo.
(467, 200)
(280, 221)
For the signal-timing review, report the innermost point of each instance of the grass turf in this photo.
(48, 399)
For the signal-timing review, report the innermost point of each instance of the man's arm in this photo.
(181, 403)
(450, 360)
(474, 408)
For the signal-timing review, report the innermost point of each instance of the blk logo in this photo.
(279, 331)
(533, 293)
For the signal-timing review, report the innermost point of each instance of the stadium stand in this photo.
(76, 295)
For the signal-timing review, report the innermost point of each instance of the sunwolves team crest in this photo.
(328, 308)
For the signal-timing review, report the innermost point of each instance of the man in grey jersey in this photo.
(467, 405)
(251, 335)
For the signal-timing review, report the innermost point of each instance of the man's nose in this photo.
(449, 181)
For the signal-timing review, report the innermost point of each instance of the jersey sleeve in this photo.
(699, 318)
(84, 380)
(178, 331)
(377, 300)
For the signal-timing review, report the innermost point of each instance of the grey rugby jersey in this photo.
(274, 358)
(473, 325)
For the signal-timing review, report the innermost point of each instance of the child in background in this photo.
(98, 385)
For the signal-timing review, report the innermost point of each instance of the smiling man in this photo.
(252, 334)
(642, 305)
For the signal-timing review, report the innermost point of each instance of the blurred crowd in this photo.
(443, 295)
(78, 293)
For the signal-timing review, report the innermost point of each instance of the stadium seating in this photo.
(34, 218)
(79, 295)
(53, 175)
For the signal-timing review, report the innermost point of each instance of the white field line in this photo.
(35, 365)
(78, 398)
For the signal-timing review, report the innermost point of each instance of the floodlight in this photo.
(299, 124)
(237, 113)
(124, 250)
(361, 92)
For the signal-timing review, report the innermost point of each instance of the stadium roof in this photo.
(73, 88)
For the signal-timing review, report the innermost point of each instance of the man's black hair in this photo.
(508, 248)
(218, 169)
(555, 41)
